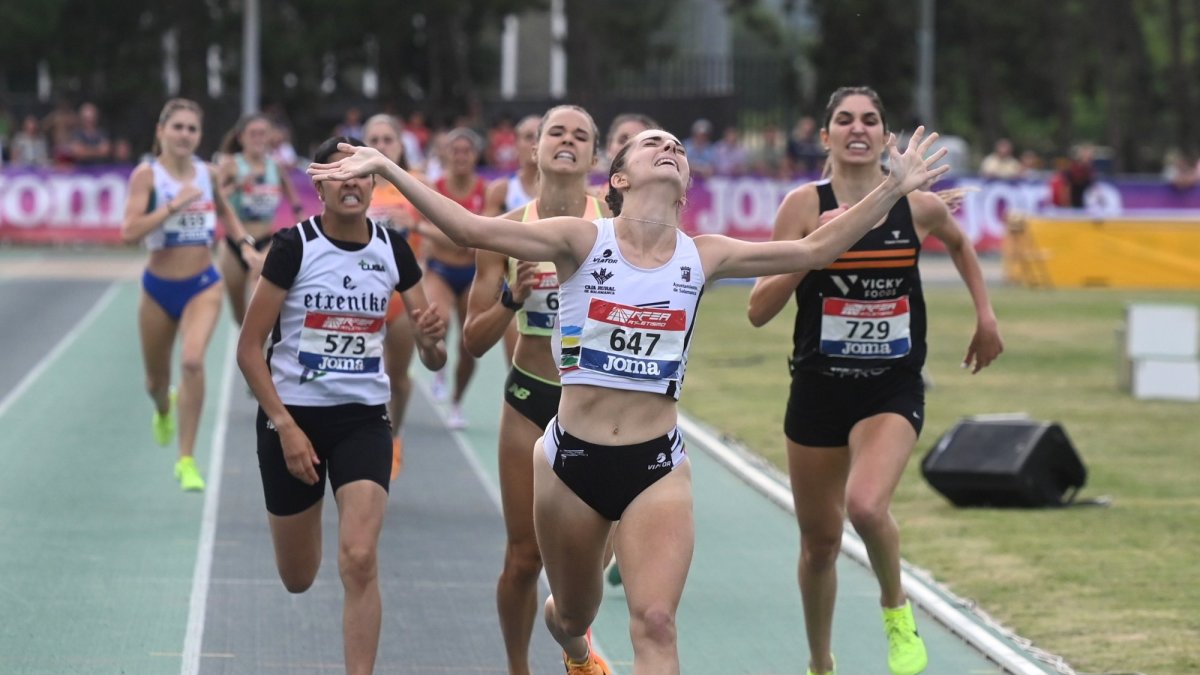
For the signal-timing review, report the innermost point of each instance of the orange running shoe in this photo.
(593, 665)
(397, 457)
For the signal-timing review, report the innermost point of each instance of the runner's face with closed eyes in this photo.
(657, 155)
(345, 198)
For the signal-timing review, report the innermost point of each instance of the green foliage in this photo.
(1046, 74)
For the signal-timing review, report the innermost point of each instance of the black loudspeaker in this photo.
(1005, 462)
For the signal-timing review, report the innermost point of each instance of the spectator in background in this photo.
(89, 143)
(502, 145)
(351, 124)
(122, 151)
(729, 157)
(1031, 164)
(701, 153)
(804, 149)
(29, 146)
(58, 125)
(770, 157)
(1001, 163)
(1180, 169)
(1068, 186)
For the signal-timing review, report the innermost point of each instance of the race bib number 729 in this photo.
(865, 329)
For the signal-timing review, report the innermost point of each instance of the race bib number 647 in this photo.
(643, 343)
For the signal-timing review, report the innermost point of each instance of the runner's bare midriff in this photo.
(615, 416)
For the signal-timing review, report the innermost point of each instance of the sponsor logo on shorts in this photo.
(660, 462)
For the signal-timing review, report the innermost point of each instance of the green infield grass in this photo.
(1111, 589)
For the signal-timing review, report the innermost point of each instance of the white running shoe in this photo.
(457, 420)
(437, 387)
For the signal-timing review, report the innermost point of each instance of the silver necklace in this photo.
(643, 220)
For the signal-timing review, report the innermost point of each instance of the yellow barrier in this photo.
(1067, 251)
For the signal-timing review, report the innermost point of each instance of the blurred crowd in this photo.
(70, 135)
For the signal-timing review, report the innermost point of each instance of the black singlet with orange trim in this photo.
(867, 310)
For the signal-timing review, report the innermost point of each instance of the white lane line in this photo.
(922, 595)
(66, 341)
(198, 605)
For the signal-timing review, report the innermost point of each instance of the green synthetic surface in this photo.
(97, 543)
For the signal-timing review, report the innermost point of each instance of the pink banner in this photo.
(88, 205)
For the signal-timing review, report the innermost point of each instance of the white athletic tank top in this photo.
(327, 347)
(625, 327)
(194, 224)
(515, 197)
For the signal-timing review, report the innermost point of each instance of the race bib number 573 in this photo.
(341, 343)
(865, 329)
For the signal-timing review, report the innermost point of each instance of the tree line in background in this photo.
(1118, 73)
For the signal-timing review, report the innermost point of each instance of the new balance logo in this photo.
(309, 375)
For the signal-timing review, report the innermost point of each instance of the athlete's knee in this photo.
(357, 564)
(157, 384)
(654, 624)
(191, 364)
(867, 513)
(820, 550)
(522, 561)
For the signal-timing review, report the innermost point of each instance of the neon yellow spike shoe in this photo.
(906, 649)
(162, 425)
(188, 475)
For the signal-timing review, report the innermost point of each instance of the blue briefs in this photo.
(173, 295)
(457, 277)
